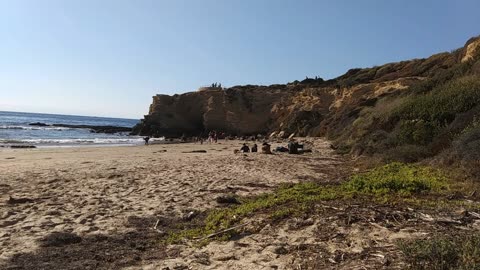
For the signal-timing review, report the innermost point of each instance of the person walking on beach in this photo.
(146, 139)
(210, 137)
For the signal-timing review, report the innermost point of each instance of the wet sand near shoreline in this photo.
(92, 192)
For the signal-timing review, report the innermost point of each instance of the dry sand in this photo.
(95, 208)
(96, 191)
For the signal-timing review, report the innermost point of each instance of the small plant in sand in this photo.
(298, 199)
(399, 178)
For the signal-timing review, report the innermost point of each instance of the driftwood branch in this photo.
(476, 215)
(156, 224)
(224, 231)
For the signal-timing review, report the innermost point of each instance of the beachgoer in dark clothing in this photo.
(266, 148)
(146, 139)
(293, 147)
(245, 149)
(254, 148)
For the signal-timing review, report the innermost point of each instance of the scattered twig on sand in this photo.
(195, 151)
(130, 192)
(156, 224)
(224, 231)
(444, 220)
(425, 217)
(476, 215)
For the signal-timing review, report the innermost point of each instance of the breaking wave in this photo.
(34, 128)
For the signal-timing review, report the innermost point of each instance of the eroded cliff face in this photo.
(310, 107)
(237, 110)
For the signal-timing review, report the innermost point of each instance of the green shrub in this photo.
(442, 253)
(299, 199)
(285, 201)
(442, 103)
(467, 145)
(407, 153)
(396, 177)
(417, 131)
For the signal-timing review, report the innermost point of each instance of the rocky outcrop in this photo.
(310, 107)
(236, 110)
(95, 129)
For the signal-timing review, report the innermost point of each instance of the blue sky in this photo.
(109, 57)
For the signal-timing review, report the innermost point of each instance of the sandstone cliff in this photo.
(310, 107)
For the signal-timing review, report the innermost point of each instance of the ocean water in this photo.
(15, 129)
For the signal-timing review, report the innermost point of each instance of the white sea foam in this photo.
(129, 140)
(34, 128)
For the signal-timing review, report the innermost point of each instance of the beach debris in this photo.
(13, 200)
(227, 199)
(202, 258)
(475, 215)
(179, 266)
(281, 250)
(332, 260)
(226, 258)
(223, 231)
(188, 216)
(115, 175)
(156, 224)
(195, 151)
(282, 134)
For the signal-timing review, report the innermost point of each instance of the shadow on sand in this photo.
(97, 251)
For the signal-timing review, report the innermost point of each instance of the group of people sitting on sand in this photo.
(293, 147)
(254, 149)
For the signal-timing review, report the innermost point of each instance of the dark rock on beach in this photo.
(39, 124)
(98, 129)
(95, 129)
(22, 146)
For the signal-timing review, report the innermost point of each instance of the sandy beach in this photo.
(102, 191)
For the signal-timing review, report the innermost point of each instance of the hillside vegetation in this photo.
(436, 117)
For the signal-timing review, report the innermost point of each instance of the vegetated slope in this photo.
(404, 111)
(441, 111)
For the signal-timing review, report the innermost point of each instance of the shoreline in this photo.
(78, 145)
